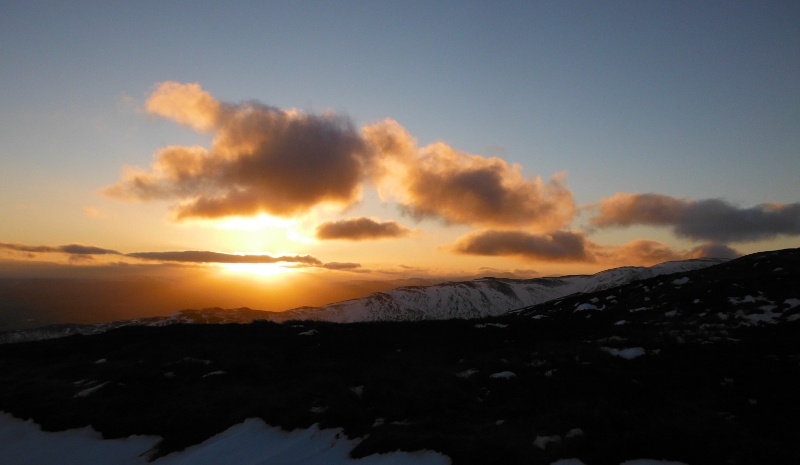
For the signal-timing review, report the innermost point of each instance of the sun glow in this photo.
(264, 270)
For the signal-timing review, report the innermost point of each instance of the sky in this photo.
(323, 142)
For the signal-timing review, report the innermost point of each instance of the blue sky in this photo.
(694, 100)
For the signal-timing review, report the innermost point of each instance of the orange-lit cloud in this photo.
(185, 103)
(262, 159)
(437, 181)
(359, 229)
(86, 252)
(574, 247)
(711, 219)
(94, 212)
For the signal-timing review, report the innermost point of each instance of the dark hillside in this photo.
(709, 382)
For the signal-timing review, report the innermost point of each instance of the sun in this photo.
(264, 270)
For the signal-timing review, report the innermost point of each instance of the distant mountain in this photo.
(477, 298)
(480, 297)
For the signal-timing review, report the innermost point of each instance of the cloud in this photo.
(359, 229)
(714, 251)
(712, 220)
(262, 159)
(437, 181)
(73, 249)
(94, 212)
(574, 247)
(559, 246)
(341, 266)
(197, 256)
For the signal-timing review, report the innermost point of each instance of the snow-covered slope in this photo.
(466, 299)
(480, 297)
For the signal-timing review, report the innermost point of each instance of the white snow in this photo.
(214, 373)
(503, 374)
(466, 374)
(574, 433)
(778, 269)
(671, 313)
(650, 462)
(792, 303)
(611, 297)
(639, 309)
(249, 443)
(90, 390)
(794, 317)
(98, 362)
(629, 353)
(696, 301)
(681, 281)
(496, 325)
(568, 462)
(722, 316)
(594, 300)
(620, 323)
(583, 307)
(358, 390)
(310, 332)
(541, 441)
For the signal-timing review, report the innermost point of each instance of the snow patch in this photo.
(568, 462)
(620, 323)
(629, 353)
(503, 374)
(671, 313)
(542, 441)
(792, 303)
(310, 332)
(90, 390)
(214, 373)
(574, 433)
(681, 281)
(583, 307)
(486, 325)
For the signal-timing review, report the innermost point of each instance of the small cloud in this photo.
(359, 229)
(94, 212)
(559, 246)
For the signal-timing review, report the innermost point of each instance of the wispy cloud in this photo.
(94, 212)
(710, 219)
(199, 256)
(359, 229)
(72, 249)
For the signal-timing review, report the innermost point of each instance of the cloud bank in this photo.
(283, 163)
(574, 247)
(196, 256)
(359, 229)
(710, 220)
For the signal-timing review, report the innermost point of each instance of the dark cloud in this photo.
(711, 219)
(437, 181)
(573, 247)
(359, 229)
(560, 246)
(714, 251)
(197, 256)
(73, 249)
(341, 266)
(262, 159)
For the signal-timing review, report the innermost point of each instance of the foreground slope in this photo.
(700, 367)
(466, 299)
